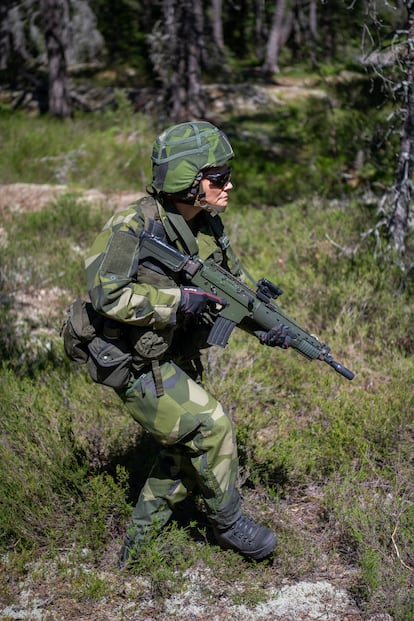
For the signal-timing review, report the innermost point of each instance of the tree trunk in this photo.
(196, 107)
(54, 16)
(313, 21)
(273, 45)
(259, 28)
(279, 33)
(183, 23)
(218, 24)
(399, 220)
(4, 34)
(313, 32)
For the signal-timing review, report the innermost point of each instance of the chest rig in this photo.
(204, 237)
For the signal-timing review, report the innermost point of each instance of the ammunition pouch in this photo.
(112, 350)
(81, 325)
(148, 348)
(90, 338)
(109, 361)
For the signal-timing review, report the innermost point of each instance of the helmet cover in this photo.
(183, 150)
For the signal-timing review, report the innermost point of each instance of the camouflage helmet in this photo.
(182, 151)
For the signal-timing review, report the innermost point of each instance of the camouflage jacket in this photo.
(123, 289)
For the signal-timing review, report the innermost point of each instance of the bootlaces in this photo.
(244, 529)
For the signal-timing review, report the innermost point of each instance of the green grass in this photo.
(300, 150)
(71, 458)
(109, 153)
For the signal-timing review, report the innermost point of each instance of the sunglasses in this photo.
(220, 179)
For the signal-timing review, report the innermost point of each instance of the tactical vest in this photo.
(182, 342)
(114, 350)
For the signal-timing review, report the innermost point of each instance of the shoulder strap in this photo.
(177, 229)
(184, 233)
(162, 214)
(218, 229)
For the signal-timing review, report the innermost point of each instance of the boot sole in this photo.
(256, 555)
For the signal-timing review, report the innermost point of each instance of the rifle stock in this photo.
(241, 301)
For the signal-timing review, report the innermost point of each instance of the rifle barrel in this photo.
(339, 368)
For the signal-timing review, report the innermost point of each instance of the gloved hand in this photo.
(195, 301)
(276, 337)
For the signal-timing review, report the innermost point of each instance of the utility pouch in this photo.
(109, 361)
(148, 348)
(81, 325)
(147, 344)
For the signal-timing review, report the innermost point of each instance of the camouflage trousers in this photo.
(197, 450)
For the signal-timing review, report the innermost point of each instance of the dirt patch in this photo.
(18, 198)
(21, 197)
(61, 589)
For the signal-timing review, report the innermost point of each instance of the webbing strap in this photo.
(224, 243)
(156, 374)
(236, 261)
(184, 232)
(168, 229)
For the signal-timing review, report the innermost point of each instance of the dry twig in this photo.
(403, 563)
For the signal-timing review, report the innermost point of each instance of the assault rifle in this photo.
(241, 301)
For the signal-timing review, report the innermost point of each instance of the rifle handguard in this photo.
(242, 301)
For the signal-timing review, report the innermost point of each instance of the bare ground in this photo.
(49, 590)
(21, 197)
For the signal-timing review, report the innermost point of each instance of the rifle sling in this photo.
(184, 233)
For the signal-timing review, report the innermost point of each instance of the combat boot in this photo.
(248, 538)
(127, 553)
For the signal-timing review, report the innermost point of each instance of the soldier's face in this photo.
(217, 184)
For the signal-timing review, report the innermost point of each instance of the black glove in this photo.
(195, 301)
(276, 337)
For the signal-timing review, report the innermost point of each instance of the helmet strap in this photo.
(200, 201)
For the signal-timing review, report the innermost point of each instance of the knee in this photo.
(222, 432)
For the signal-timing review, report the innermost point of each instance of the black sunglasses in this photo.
(220, 179)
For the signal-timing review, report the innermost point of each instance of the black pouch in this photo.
(109, 361)
(81, 325)
(148, 349)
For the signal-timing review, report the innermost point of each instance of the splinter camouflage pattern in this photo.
(198, 448)
(112, 281)
(183, 150)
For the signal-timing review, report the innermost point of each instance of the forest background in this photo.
(317, 99)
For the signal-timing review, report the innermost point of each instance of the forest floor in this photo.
(45, 592)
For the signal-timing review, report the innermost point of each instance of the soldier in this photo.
(167, 324)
